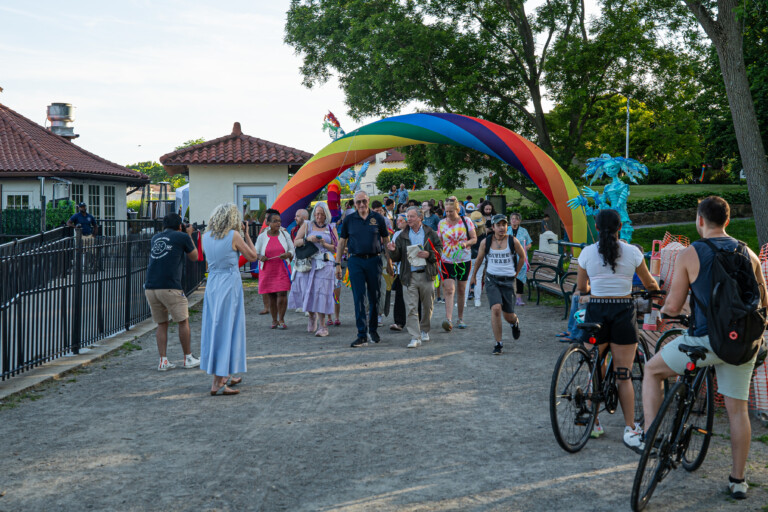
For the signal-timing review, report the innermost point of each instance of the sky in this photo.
(146, 76)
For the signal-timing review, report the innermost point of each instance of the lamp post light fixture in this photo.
(626, 152)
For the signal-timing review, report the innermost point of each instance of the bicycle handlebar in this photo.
(649, 293)
(683, 319)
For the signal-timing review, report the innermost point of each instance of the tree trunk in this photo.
(745, 125)
(726, 34)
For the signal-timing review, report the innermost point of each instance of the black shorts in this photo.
(501, 291)
(456, 271)
(618, 317)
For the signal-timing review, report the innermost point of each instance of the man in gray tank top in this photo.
(692, 272)
(506, 261)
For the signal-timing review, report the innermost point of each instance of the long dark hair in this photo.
(608, 223)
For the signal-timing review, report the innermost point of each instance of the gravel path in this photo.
(321, 426)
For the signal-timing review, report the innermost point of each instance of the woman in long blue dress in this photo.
(222, 337)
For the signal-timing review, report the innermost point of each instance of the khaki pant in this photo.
(421, 287)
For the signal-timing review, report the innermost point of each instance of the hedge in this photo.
(20, 222)
(653, 204)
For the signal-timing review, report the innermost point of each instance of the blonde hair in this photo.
(323, 206)
(224, 218)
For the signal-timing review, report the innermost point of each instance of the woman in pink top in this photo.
(275, 251)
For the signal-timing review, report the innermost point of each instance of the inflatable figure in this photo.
(332, 125)
(615, 194)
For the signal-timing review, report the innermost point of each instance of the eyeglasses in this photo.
(361, 201)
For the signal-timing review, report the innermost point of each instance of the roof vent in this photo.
(236, 130)
(61, 116)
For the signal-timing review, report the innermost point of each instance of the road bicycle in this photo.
(578, 387)
(682, 429)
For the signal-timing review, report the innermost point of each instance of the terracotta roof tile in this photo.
(235, 148)
(393, 156)
(28, 149)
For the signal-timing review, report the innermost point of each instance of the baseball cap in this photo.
(470, 207)
(499, 217)
(79, 205)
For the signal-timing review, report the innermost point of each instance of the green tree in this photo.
(388, 177)
(485, 58)
(725, 24)
(157, 173)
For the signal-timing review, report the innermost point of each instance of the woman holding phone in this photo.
(312, 289)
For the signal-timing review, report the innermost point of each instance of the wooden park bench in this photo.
(548, 273)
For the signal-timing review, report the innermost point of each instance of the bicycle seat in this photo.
(694, 353)
(589, 327)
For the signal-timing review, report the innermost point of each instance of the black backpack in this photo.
(735, 319)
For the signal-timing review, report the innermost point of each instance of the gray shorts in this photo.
(732, 381)
(501, 290)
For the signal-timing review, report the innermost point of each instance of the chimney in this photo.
(61, 116)
(236, 130)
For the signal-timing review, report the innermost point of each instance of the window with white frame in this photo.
(94, 200)
(17, 201)
(109, 201)
(77, 193)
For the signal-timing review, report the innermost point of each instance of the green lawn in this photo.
(636, 192)
(743, 229)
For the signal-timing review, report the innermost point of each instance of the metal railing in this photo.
(64, 295)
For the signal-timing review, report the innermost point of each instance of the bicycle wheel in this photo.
(638, 371)
(655, 462)
(571, 412)
(698, 424)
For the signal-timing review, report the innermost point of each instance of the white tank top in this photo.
(500, 263)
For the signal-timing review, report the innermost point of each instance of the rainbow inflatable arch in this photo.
(436, 128)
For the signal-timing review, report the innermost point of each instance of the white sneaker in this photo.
(414, 343)
(634, 439)
(477, 303)
(166, 365)
(738, 490)
(191, 361)
(424, 336)
(299, 310)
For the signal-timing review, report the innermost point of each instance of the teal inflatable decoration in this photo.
(615, 194)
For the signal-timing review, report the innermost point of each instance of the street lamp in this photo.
(626, 152)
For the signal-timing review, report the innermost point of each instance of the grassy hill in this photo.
(636, 192)
(743, 229)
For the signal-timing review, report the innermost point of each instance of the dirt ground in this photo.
(321, 426)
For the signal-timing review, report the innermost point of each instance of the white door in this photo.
(254, 199)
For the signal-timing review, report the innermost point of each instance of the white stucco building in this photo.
(37, 165)
(393, 159)
(237, 168)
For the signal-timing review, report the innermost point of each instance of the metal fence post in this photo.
(128, 293)
(77, 306)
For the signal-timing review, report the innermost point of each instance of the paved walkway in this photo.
(321, 426)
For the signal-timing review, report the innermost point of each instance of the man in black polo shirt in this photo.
(365, 233)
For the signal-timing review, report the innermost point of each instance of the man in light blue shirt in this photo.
(402, 194)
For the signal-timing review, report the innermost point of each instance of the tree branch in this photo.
(524, 70)
(707, 22)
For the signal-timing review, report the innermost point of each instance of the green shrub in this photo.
(683, 201)
(58, 215)
(389, 177)
(20, 222)
(134, 205)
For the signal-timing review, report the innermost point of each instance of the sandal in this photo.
(264, 312)
(282, 326)
(564, 334)
(395, 327)
(274, 325)
(225, 391)
(337, 322)
(234, 381)
(329, 323)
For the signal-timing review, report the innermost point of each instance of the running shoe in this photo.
(165, 365)
(634, 439)
(447, 325)
(359, 342)
(414, 343)
(461, 324)
(424, 336)
(498, 349)
(597, 431)
(191, 361)
(516, 329)
(738, 490)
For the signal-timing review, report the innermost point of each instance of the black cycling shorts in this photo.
(618, 318)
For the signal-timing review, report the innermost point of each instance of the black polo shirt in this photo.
(364, 235)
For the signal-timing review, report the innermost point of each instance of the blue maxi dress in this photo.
(222, 339)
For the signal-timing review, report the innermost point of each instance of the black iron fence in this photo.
(59, 295)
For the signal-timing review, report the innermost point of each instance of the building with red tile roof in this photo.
(32, 157)
(235, 168)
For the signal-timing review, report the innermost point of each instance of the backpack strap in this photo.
(466, 228)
